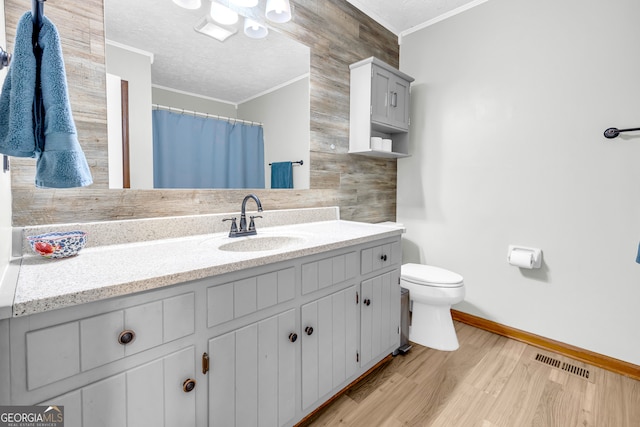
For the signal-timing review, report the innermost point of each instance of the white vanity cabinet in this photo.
(252, 376)
(157, 393)
(379, 325)
(261, 346)
(379, 107)
(329, 344)
(57, 351)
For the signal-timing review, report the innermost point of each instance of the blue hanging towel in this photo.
(282, 175)
(18, 91)
(638, 256)
(54, 143)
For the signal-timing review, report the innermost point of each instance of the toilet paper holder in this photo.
(524, 257)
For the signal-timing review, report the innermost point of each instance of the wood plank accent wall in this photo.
(337, 33)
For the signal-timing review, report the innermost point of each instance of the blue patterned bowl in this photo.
(58, 245)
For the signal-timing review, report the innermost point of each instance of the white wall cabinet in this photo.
(280, 340)
(379, 107)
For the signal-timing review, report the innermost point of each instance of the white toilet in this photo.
(432, 291)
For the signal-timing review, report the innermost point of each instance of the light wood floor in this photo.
(490, 381)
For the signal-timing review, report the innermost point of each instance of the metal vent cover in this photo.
(572, 369)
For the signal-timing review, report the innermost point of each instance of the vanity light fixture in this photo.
(218, 32)
(255, 29)
(222, 14)
(245, 3)
(188, 4)
(278, 11)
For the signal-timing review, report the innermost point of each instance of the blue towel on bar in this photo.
(16, 101)
(282, 175)
(638, 256)
(60, 160)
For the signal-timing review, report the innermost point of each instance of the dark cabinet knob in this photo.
(308, 330)
(126, 336)
(293, 337)
(188, 385)
(383, 257)
(367, 302)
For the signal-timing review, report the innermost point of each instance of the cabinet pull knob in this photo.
(293, 337)
(126, 336)
(205, 363)
(367, 302)
(383, 257)
(308, 330)
(188, 385)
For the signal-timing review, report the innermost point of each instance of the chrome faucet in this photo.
(243, 230)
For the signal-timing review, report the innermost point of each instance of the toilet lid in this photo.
(430, 275)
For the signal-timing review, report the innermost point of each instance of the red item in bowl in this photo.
(44, 248)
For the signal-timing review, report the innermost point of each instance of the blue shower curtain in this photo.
(198, 152)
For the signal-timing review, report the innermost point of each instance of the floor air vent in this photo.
(572, 369)
(547, 360)
(584, 373)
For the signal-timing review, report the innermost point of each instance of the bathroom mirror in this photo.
(153, 47)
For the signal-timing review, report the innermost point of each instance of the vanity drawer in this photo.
(245, 296)
(329, 271)
(379, 257)
(61, 351)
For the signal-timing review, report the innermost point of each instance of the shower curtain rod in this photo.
(205, 115)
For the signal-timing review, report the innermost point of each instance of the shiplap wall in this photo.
(337, 33)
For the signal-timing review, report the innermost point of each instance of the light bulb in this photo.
(222, 14)
(254, 29)
(188, 4)
(278, 11)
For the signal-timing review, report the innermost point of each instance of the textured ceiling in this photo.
(240, 68)
(233, 71)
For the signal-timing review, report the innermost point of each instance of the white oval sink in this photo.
(260, 243)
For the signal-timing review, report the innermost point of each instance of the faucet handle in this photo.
(252, 225)
(234, 226)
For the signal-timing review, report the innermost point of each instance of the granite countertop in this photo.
(107, 271)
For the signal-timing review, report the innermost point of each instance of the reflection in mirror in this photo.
(154, 56)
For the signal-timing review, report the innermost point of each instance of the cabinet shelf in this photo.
(378, 153)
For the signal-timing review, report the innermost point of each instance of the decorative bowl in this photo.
(58, 245)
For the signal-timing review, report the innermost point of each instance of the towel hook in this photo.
(5, 58)
(613, 132)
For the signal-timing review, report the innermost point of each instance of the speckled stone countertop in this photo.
(106, 271)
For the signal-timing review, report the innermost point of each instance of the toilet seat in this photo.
(428, 275)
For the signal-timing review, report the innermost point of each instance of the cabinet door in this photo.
(151, 394)
(329, 344)
(380, 85)
(399, 103)
(252, 375)
(390, 98)
(380, 316)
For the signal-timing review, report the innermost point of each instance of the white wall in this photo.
(136, 69)
(509, 105)
(285, 114)
(5, 179)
